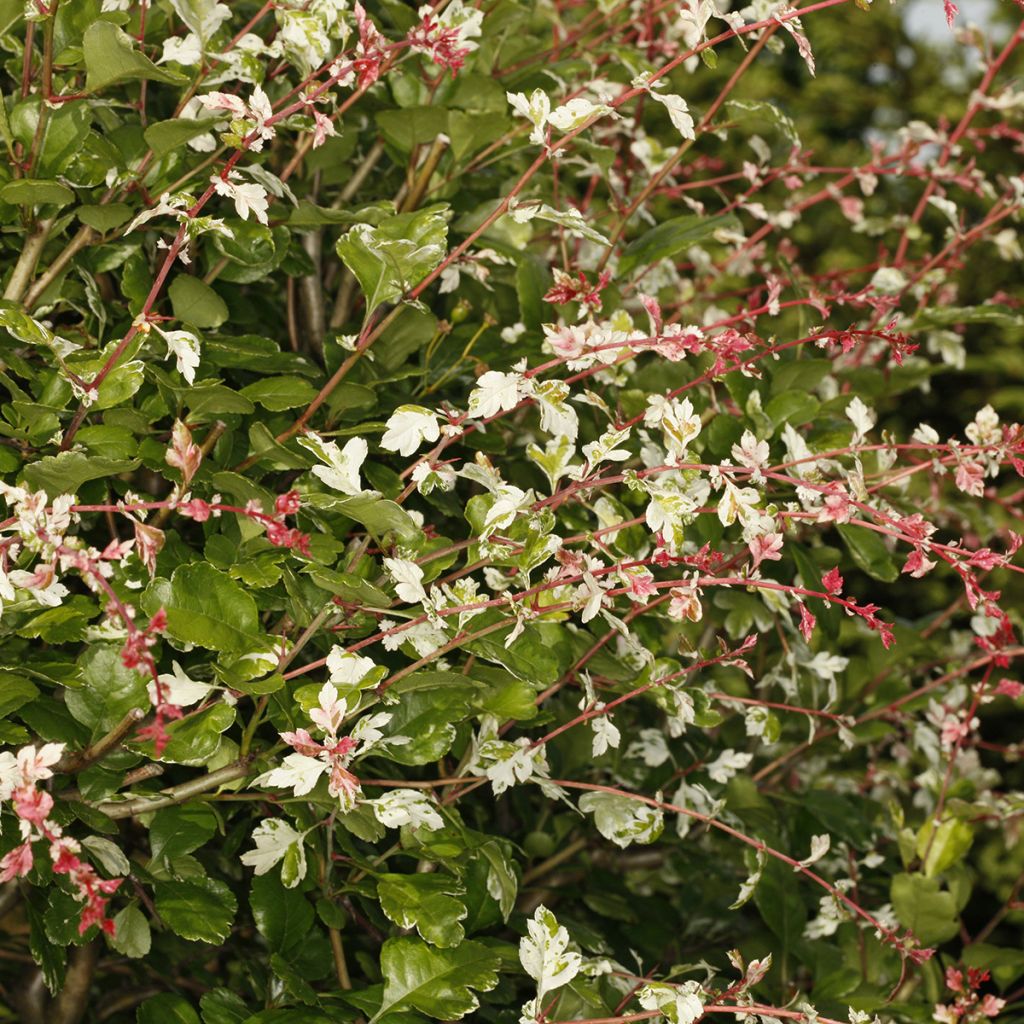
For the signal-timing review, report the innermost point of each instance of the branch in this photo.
(72, 1001)
(117, 809)
(757, 844)
(21, 276)
(103, 746)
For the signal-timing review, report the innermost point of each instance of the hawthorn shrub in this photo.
(510, 513)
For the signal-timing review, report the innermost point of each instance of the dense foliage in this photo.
(510, 513)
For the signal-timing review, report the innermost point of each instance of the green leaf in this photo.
(847, 816)
(111, 57)
(348, 586)
(263, 444)
(503, 695)
(132, 937)
(532, 281)
(393, 257)
(205, 607)
(378, 515)
(14, 692)
(166, 1008)
(199, 16)
(196, 738)
(62, 917)
(868, 550)
(176, 831)
(50, 957)
(427, 719)
(501, 878)
(24, 327)
(64, 141)
(672, 237)
(111, 442)
(5, 124)
(253, 251)
(280, 393)
(109, 690)
(164, 137)
(470, 132)
(119, 386)
(199, 909)
(65, 473)
(107, 854)
(794, 407)
(255, 354)
(283, 916)
(205, 400)
(412, 126)
(260, 572)
(104, 217)
(309, 215)
(778, 898)
(427, 902)
(828, 615)
(571, 219)
(529, 657)
(942, 847)
(437, 982)
(295, 985)
(290, 1016)
(925, 908)
(221, 1006)
(196, 302)
(33, 192)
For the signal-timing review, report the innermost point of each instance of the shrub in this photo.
(507, 515)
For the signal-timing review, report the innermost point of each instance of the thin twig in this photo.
(119, 809)
(104, 745)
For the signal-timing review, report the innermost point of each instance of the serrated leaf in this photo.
(36, 192)
(109, 692)
(196, 738)
(14, 692)
(176, 831)
(391, 258)
(166, 1008)
(925, 908)
(427, 720)
(199, 909)
(379, 515)
(283, 916)
(132, 937)
(205, 607)
(221, 1006)
(545, 954)
(437, 982)
(65, 473)
(427, 902)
